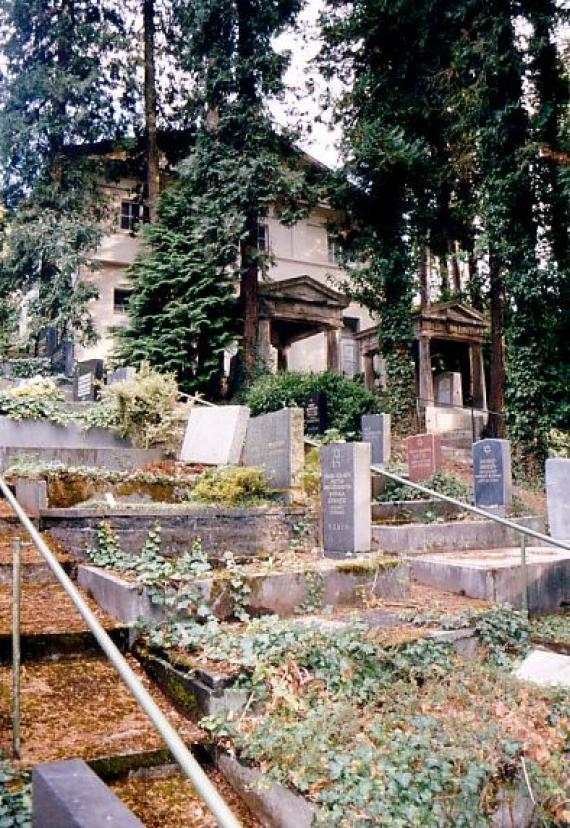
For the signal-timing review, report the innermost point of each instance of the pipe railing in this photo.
(206, 790)
(525, 530)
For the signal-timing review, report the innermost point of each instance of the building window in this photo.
(132, 213)
(332, 249)
(121, 298)
(263, 238)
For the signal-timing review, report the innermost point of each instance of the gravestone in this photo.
(122, 374)
(376, 431)
(317, 419)
(87, 375)
(424, 456)
(275, 442)
(492, 475)
(558, 497)
(448, 389)
(215, 436)
(345, 498)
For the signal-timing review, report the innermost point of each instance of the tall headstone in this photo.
(424, 456)
(345, 498)
(88, 375)
(121, 374)
(275, 442)
(558, 497)
(215, 436)
(448, 389)
(492, 476)
(317, 419)
(376, 430)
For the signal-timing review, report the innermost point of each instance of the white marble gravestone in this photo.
(345, 498)
(215, 435)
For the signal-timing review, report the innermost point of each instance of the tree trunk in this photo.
(455, 272)
(423, 278)
(249, 299)
(443, 276)
(152, 182)
(497, 378)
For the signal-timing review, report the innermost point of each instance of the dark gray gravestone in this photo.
(376, 431)
(275, 442)
(68, 357)
(87, 375)
(558, 497)
(492, 475)
(69, 795)
(317, 419)
(345, 498)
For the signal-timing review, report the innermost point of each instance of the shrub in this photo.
(231, 486)
(559, 443)
(441, 482)
(144, 408)
(347, 399)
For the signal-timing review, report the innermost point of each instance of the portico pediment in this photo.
(450, 320)
(302, 289)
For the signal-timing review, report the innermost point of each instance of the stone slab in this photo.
(215, 436)
(23, 434)
(424, 456)
(69, 794)
(492, 475)
(31, 495)
(376, 430)
(545, 668)
(454, 536)
(496, 576)
(115, 459)
(442, 420)
(448, 389)
(275, 442)
(558, 497)
(346, 498)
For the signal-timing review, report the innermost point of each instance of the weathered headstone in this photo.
(87, 375)
(275, 441)
(345, 498)
(492, 475)
(121, 374)
(558, 497)
(215, 436)
(376, 430)
(317, 419)
(448, 389)
(424, 456)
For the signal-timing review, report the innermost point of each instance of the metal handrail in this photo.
(475, 509)
(180, 752)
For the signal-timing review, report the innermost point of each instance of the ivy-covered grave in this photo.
(369, 729)
(152, 585)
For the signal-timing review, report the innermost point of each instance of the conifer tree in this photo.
(56, 94)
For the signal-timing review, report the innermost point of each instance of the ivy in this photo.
(15, 797)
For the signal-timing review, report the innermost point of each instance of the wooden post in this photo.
(368, 360)
(478, 394)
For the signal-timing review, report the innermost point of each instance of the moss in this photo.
(362, 565)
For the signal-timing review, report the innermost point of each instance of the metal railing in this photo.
(423, 402)
(524, 531)
(175, 744)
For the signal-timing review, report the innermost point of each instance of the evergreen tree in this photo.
(56, 94)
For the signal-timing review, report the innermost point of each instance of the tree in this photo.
(57, 93)
(227, 48)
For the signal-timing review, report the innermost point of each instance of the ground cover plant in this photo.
(405, 735)
(441, 482)
(15, 797)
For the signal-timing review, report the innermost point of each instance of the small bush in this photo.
(347, 399)
(559, 443)
(440, 482)
(143, 408)
(231, 486)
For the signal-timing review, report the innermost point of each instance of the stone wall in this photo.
(253, 532)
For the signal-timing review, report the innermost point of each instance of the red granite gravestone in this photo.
(424, 456)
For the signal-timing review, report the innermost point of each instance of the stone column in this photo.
(333, 350)
(282, 358)
(368, 360)
(264, 348)
(478, 390)
(426, 376)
